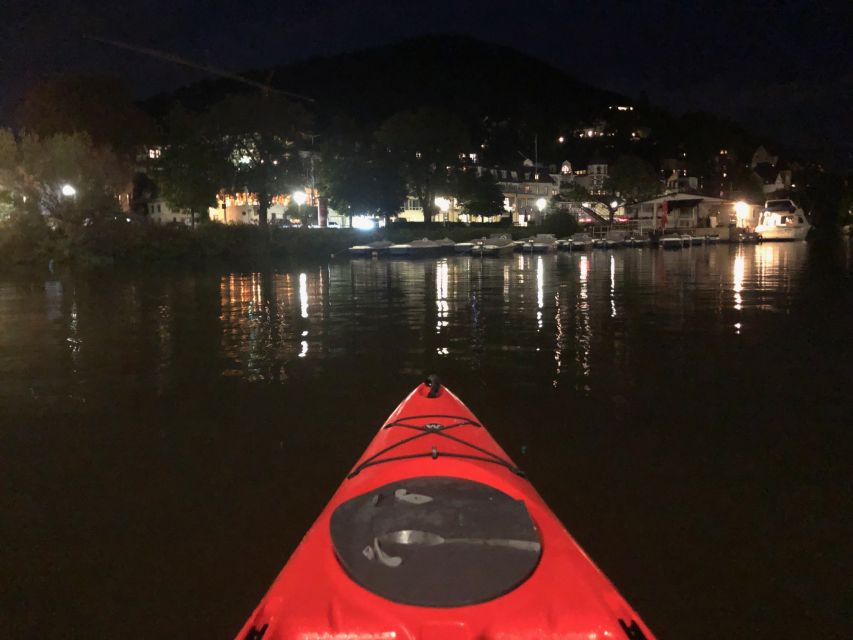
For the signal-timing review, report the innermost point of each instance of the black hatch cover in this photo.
(436, 541)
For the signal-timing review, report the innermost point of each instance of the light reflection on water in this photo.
(274, 324)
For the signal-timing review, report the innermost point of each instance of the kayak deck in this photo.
(372, 565)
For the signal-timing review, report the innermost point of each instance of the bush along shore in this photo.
(28, 239)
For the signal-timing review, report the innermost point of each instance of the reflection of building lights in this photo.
(304, 351)
(442, 308)
(612, 287)
(540, 290)
(739, 269)
(303, 294)
(540, 277)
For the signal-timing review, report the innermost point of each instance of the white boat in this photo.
(379, 248)
(712, 239)
(686, 239)
(698, 241)
(671, 242)
(494, 245)
(541, 243)
(782, 220)
(446, 245)
(638, 241)
(418, 248)
(464, 247)
(580, 242)
(614, 239)
(598, 243)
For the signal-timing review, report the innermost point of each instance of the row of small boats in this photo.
(503, 244)
(498, 244)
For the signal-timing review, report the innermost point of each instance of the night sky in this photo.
(783, 68)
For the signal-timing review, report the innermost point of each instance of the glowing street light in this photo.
(741, 212)
(614, 204)
(300, 197)
(541, 203)
(68, 191)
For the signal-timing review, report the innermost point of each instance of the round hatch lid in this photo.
(436, 541)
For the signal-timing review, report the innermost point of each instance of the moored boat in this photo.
(495, 245)
(541, 243)
(697, 240)
(635, 240)
(418, 249)
(379, 248)
(686, 239)
(745, 236)
(782, 220)
(614, 239)
(436, 534)
(581, 241)
(671, 242)
(446, 245)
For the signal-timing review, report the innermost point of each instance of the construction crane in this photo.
(166, 56)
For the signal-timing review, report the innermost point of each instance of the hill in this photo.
(506, 98)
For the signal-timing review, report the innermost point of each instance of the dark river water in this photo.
(167, 438)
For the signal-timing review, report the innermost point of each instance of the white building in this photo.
(160, 212)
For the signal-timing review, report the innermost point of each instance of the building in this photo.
(594, 178)
(680, 183)
(447, 210)
(523, 187)
(160, 212)
(682, 211)
(774, 177)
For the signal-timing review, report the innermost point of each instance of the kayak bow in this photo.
(435, 534)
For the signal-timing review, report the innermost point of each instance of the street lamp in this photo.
(541, 203)
(741, 212)
(300, 197)
(68, 191)
(443, 205)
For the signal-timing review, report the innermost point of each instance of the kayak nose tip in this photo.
(434, 383)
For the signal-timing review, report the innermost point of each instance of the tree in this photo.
(424, 143)
(99, 106)
(358, 184)
(632, 178)
(257, 137)
(572, 192)
(479, 194)
(192, 167)
(63, 176)
(745, 183)
(560, 223)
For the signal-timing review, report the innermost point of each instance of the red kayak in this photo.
(436, 535)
